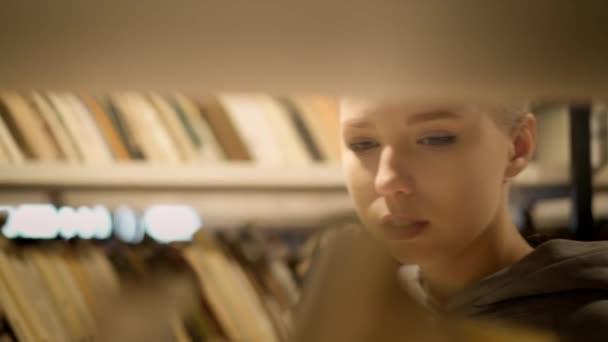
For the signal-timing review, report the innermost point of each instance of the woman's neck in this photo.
(500, 246)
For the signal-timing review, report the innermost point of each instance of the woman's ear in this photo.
(523, 144)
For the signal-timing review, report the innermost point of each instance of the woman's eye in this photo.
(438, 140)
(361, 146)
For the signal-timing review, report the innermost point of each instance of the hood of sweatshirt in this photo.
(557, 267)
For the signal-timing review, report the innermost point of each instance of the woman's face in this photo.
(426, 180)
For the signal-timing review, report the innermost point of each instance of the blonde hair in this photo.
(510, 117)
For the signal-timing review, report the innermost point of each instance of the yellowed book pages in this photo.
(329, 109)
(179, 330)
(9, 145)
(42, 302)
(74, 126)
(253, 125)
(149, 117)
(40, 141)
(170, 120)
(69, 313)
(107, 129)
(294, 148)
(327, 140)
(4, 157)
(63, 138)
(281, 273)
(84, 282)
(70, 285)
(210, 149)
(99, 268)
(10, 307)
(236, 290)
(226, 314)
(14, 279)
(4, 154)
(140, 133)
(146, 127)
(224, 279)
(64, 117)
(89, 125)
(261, 328)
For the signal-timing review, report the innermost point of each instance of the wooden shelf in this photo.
(536, 176)
(558, 212)
(241, 176)
(225, 194)
(219, 176)
(261, 194)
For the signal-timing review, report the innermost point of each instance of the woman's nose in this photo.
(392, 176)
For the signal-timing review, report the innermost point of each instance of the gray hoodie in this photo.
(562, 285)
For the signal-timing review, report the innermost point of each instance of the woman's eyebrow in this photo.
(433, 115)
(358, 123)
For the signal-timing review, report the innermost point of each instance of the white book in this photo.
(63, 138)
(252, 123)
(210, 149)
(176, 129)
(9, 146)
(293, 146)
(97, 142)
(74, 126)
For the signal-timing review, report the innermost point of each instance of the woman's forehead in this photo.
(375, 108)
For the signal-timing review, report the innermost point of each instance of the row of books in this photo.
(167, 128)
(68, 292)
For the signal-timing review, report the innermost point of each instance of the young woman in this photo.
(431, 182)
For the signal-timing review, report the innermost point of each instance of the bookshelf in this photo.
(201, 47)
(269, 195)
(236, 158)
(228, 175)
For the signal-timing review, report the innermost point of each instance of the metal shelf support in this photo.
(581, 225)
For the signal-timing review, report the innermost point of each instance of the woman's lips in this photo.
(402, 228)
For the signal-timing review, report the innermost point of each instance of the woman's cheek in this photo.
(361, 188)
